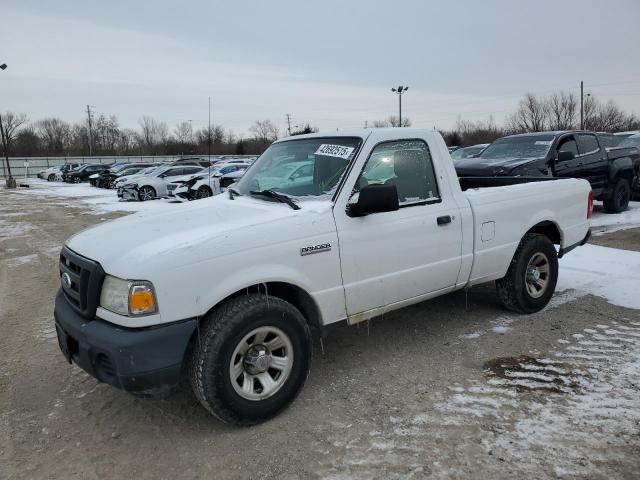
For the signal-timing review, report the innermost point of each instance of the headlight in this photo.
(128, 297)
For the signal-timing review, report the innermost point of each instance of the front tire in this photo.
(251, 359)
(146, 193)
(620, 196)
(203, 192)
(51, 177)
(532, 276)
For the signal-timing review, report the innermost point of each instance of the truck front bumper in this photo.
(146, 361)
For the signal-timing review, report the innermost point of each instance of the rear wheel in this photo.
(146, 193)
(620, 196)
(251, 359)
(76, 179)
(203, 192)
(51, 177)
(532, 276)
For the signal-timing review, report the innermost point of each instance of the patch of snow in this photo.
(602, 223)
(17, 261)
(605, 272)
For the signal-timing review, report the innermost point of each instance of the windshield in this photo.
(534, 146)
(301, 168)
(466, 152)
(632, 141)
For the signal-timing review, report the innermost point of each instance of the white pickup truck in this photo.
(226, 292)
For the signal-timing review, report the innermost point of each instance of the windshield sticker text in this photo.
(334, 151)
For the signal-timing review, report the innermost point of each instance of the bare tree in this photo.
(529, 117)
(380, 124)
(264, 131)
(393, 121)
(153, 134)
(55, 134)
(10, 124)
(183, 133)
(561, 111)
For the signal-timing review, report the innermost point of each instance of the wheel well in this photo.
(548, 229)
(628, 174)
(289, 293)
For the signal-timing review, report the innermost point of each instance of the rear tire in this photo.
(226, 351)
(620, 196)
(532, 276)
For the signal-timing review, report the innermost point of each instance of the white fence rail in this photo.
(30, 166)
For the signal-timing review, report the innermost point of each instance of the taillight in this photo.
(590, 205)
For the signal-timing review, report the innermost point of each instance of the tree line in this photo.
(558, 111)
(104, 135)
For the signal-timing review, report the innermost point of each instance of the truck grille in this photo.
(81, 281)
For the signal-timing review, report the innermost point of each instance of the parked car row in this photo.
(188, 178)
(611, 171)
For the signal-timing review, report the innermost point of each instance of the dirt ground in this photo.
(437, 390)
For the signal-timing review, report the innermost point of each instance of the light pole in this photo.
(400, 90)
(10, 182)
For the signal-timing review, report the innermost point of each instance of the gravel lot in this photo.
(452, 388)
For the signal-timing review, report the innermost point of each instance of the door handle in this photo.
(444, 220)
(580, 164)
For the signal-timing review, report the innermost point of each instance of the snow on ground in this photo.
(612, 222)
(99, 200)
(607, 272)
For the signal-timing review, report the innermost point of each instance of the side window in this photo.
(189, 170)
(406, 164)
(568, 145)
(587, 144)
(174, 172)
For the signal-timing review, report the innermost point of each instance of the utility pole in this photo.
(209, 131)
(10, 182)
(581, 105)
(366, 124)
(289, 123)
(400, 90)
(90, 130)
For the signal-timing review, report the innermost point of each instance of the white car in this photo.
(226, 292)
(204, 184)
(154, 185)
(132, 178)
(51, 174)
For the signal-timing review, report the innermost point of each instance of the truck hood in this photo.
(487, 166)
(189, 233)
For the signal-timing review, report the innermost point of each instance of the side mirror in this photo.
(565, 156)
(374, 199)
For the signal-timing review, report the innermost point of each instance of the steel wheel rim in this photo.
(261, 363)
(537, 275)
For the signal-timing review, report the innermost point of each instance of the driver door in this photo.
(389, 257)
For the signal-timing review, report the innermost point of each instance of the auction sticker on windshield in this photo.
(334, 151)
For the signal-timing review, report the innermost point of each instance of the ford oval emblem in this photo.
(66, 280)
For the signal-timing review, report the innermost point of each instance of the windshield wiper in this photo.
(232, 192)
(277, 196)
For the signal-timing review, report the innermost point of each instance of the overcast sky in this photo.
(330, 63)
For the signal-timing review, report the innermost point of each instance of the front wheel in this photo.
(251, 359)
(76, 180)
(620, 196)
(203, 192)
(146, 193)
(532, 275)
(51, 178)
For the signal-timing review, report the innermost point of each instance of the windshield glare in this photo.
(301, 168)
(518, 147)
(632, 141)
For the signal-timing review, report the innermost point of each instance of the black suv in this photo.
(567, 154)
